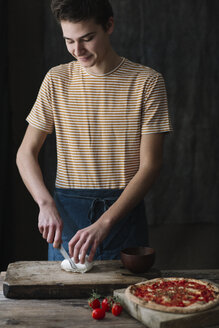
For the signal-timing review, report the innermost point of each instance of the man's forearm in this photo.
(151, 158)
(49, 221)
(132, 195)
(32, 177)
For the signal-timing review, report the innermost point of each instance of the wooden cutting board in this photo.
(46, 280)
(158, 319)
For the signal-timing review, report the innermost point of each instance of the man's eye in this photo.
(69, 41)
(88, 39)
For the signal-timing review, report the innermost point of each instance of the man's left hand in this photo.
(90, 236)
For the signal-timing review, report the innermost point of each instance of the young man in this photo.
(110, 115)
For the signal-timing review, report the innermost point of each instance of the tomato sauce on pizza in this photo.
(175, 293)
(178, 295)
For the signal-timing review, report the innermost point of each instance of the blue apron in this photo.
(80, 208)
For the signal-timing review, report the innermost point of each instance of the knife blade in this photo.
(67, 257)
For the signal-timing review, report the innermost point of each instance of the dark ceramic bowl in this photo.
(138, 259)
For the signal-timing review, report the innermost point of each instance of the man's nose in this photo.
(78, 49)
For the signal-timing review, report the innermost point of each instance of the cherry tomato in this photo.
(107, 303)
(94, 304)
(98, 314)
(117, 309)
(93, 301)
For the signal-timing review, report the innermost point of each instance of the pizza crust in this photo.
(193, 308)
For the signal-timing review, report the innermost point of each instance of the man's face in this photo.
(87, 41)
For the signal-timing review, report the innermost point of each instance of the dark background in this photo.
(175, 37)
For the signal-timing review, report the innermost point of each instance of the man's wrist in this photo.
(42, 202)
(108, 219)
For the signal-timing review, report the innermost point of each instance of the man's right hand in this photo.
(50, 224)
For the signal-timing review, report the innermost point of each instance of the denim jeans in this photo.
(80, 208)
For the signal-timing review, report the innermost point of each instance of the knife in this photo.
(67, 257)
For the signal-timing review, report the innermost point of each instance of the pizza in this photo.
(175, 295)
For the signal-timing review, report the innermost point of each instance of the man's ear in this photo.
(110, 25)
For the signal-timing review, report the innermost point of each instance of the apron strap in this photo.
(95, 203)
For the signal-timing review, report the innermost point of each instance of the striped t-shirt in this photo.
(99, 120)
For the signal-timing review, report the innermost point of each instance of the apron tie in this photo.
(93, 208)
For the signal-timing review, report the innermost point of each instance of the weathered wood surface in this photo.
(46, 280)
(196, 274)
(70, 312)
(73, 313)
(158, 319)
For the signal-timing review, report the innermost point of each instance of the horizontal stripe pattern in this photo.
(99, 121)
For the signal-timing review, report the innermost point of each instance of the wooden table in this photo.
(74, 312)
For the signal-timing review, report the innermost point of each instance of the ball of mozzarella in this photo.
(87, 266)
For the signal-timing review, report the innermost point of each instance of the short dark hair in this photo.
(78, 10)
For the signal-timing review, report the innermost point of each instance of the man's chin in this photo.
(86, 62)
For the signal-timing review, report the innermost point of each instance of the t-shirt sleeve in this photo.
(155, 115)
(41, 115)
